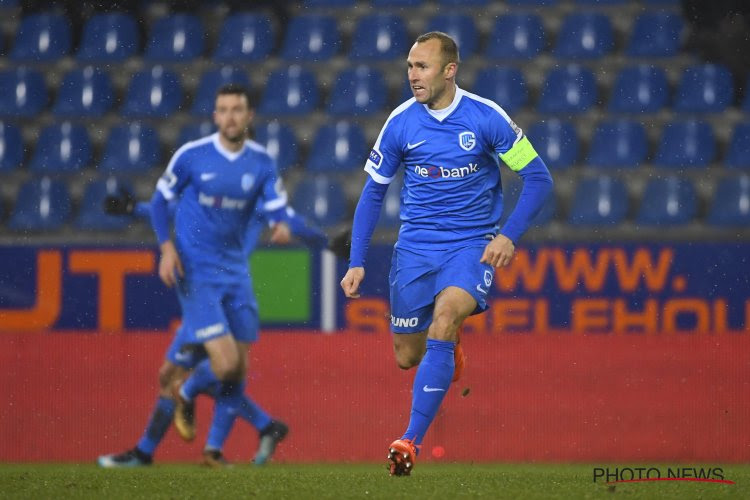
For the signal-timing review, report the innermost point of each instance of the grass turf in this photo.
(347, 481)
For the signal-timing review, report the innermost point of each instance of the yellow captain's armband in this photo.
(519, 155)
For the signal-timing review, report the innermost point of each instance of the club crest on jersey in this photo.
(467, 140)
(247, 182)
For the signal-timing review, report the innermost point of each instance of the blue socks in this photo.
(431, 382)
(201, 380)
(157, 425)
(231, 401)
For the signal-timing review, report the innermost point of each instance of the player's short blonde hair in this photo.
(448, 46)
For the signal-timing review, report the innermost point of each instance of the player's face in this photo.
(232, 116)
(428, 76)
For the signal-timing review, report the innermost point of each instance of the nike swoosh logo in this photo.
(432, 389)
(207, 177)
(481, 290)
(412, 146)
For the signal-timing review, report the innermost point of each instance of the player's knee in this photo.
(226, 369)
(445, 323)
(166, 377)
(407, 359)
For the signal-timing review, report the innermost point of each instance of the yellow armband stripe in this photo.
(519, 155)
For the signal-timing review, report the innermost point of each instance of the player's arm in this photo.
(307, 233)
(274, 199)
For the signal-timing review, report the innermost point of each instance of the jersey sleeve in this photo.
(176, 176)
(386, 154)
(273, 194)
(509, 141)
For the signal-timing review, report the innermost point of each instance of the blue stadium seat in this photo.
(571, 89)
(175, 38)
(63, 147)
(311, 37)
(154, 93)
(461, 28)
(280, 142)
(738, 154)
(463, 3)
(618, 143)
(91, 216)
(23, 92)
(639, 89)
(556, 142)
(601, 2)
(11, 147)
(337, 147)
(194, 131)
(42, 38)
(85, 92)
(504, 85)
(599, 201)
(245, 37)
(516, 36)
(109, 37)
(290, 91)
(210, 82)
(655, 34)
(328, 3)
(406, 93)
(662, 3)
(584, 35)
(532, 3)
(686, 144)
(396, 3)
(379, 37)
(42, 204)
(321, 199)
(731, 202)
(131, 147)
(390, 212)
(358, 91)
(511, 193)
(706, 88)
(667, 202)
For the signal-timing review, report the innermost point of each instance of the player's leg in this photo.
(408, 349)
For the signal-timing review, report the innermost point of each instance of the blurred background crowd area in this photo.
(640, 108)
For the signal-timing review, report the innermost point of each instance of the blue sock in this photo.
(201, 380)
(250, 411)
(228, 400)
(431, 382)
(157, 426)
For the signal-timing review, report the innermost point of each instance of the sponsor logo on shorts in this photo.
(410, 322)
(210, 331)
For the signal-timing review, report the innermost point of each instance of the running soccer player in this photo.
(451, 143)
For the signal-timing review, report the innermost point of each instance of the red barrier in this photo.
(71, 397)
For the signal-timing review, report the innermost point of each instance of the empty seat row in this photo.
(315, 37)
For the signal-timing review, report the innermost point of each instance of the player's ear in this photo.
(450, 70)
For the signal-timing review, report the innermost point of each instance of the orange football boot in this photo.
(402, 453)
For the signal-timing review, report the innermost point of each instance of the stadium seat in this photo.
(706, 88)
(175, 38)
(194, 131)
(731, 202)
(11, 147)
(618, 143)
(504, 85)
(337, 147)
(584, 35)
(42, 204)
(556, 142)
(85, 92)
(244, 37)
(406, 93)
(662, 3)
(379, 37)
(655, 33)
(396, 3)
(515, 36)
(321, 199)
(42, 38)
(131, 148)
(599, 201)
(154, 93)
(511, 193)
(311, 37)
(23, 92)
(328, 3)
(64, 147)
(666, 202)
(210, 82)
(109, 37)
(290, 91)
(280, 143)
(686, 144)
(358, 91)
(738, 154)
(570, 89)
(91, 216)
(390, 212)
(463, 3)
(461, 28)
(639, 89)
(600, 2)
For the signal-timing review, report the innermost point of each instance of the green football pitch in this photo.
(349, 481)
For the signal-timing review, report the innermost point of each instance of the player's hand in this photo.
(350, 283)
(281, 234)
(170, 265)
(498, 252)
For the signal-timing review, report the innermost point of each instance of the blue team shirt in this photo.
(452, 190)
(219, 194)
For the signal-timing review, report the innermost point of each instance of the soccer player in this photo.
(451, 143)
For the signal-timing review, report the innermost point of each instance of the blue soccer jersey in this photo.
(218, 193)
(452, 190)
